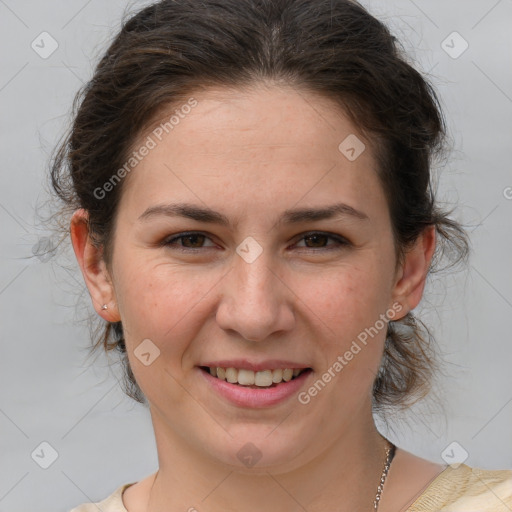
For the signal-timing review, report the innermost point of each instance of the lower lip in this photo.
(252, 397)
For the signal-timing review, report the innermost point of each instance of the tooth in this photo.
(263, 378)
(287, 374)
(277, 376)
(231, 375)
(245, 377)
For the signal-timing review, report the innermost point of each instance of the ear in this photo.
(93, 267)
(411, 277)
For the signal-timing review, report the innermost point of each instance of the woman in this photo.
(255, 222)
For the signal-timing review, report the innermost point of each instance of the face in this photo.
(258, 282)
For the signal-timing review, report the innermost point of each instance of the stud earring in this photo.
(104, 306)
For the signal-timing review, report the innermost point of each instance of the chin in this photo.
(258, 450)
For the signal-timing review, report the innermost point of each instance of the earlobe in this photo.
(93, 267)
(411, 277)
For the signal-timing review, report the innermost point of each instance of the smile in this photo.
(252, 379)
(265, 394)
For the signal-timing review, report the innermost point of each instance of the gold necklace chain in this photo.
(390, 453)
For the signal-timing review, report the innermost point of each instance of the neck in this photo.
(343, 476)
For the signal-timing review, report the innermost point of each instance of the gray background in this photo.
(51, 393)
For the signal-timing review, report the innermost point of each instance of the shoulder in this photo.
(113, 503)
(465, 489)
(418, 485)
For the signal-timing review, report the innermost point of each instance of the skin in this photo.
(251, 155)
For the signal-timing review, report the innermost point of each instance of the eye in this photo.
(192, 240)
(319, 240)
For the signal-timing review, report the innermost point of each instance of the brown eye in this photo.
(321, 241)
(192, 241)
(187, 241)
(317, 240)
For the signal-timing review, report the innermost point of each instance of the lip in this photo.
(255, 398)
(268, 364)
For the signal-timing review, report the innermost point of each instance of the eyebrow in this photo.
(291, 216)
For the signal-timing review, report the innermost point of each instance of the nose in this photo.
(255, 302)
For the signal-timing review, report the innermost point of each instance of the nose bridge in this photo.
(254, 301)
(254, 279)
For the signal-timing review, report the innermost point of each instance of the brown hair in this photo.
(330, 47)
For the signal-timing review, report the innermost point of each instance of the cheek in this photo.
(168, 308)
(347, 307)
(165, 305)
(346, 300)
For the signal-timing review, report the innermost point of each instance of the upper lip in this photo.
(269, 364)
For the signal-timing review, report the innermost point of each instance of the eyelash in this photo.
(340, 241)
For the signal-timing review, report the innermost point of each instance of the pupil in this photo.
(192, 237)
(315, 238)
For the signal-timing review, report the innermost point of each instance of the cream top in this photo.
(461, 489)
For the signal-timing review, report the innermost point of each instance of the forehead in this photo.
(260, 143)
(277, 116)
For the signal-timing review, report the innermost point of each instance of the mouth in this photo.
(263, 379)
